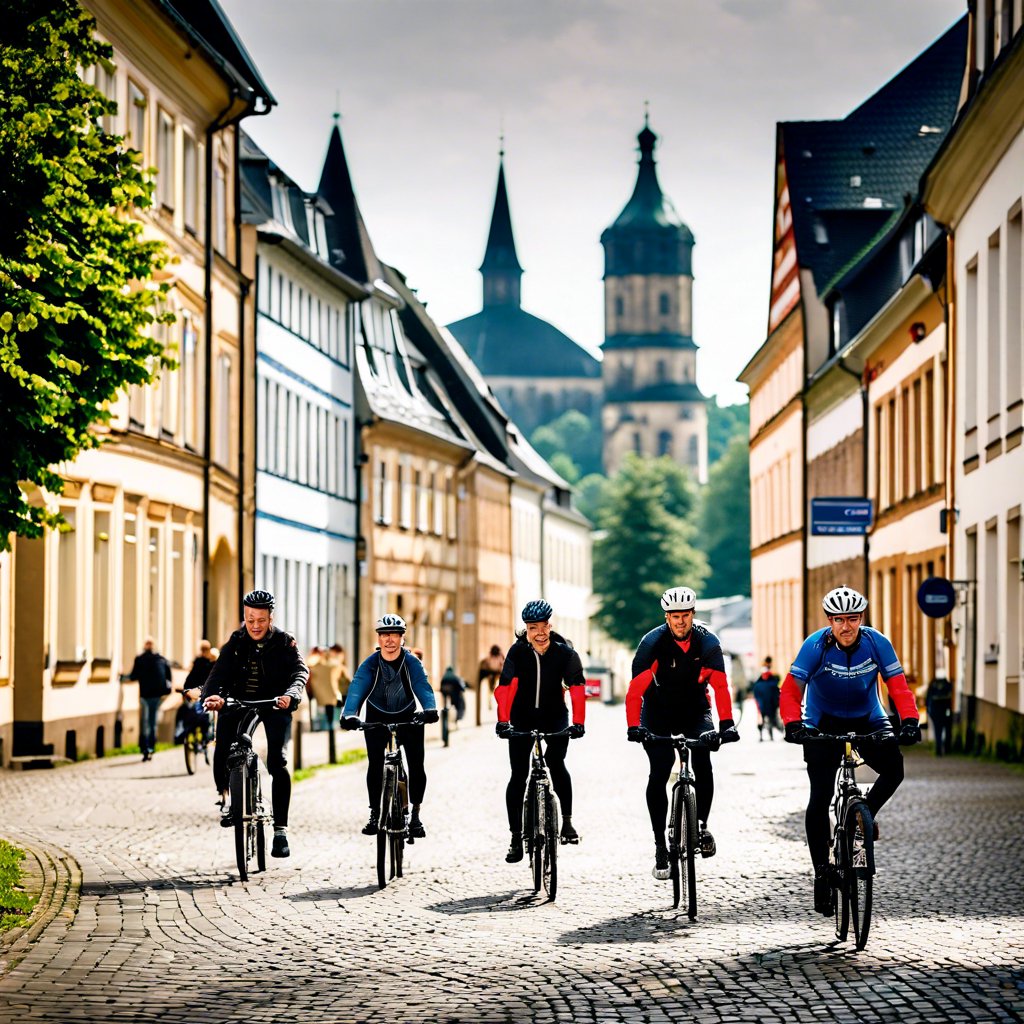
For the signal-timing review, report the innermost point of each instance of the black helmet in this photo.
(259, 599)
(537, 611)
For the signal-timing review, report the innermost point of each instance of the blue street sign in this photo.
(936, 597)
(840, 516)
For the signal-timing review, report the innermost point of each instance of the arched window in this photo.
(620, 306)
(665, 442)
(662, 371)
(638, 443)
(693, 455)
(664, 304)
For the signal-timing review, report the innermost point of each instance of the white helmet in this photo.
(389, 623)
(843, 601)
(678, 599)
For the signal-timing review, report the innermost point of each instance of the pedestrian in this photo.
(668, 695)
(152, 672)
(323, 687)
(453, 686)
(832, 688)
(490, 671)
(539, 667)
(191, 714)
(766, 697)
(258, 662)
(938, 702)
(339, 665)
(389, 682)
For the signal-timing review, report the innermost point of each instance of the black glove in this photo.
(796, 732)
(503, 729)
(727, 731)
(711, 739)
(349, 723)
(576, 730)
(429, 716)
(910, 732)
(636, 734)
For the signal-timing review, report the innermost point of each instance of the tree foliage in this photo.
(646, 547)
(74, 306)
(573, 435)
(725, 521)
(725, 423)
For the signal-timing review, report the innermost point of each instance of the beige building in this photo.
(159, 542)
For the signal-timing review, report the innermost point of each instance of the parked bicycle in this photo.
(852, 855)
(541, 820)
(198, 731)
(393, 827)
(683, 826)
(249, 813)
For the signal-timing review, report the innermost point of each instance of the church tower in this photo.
(652, 405)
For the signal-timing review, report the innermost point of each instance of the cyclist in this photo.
(668, 695)
(530, 694)
(258, 662)
(390, 681)
(832, 687)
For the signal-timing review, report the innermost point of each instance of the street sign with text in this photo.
(839, 516)
(936, 597)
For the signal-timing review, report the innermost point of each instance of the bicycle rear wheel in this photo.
(676, 839)
(190, 752)
(537, 837)
(692, 840)
(258, 823)
(239, 792)
(860, 844)
(550, 878)
(396, 831)
(387, 798)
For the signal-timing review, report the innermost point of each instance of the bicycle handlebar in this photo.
(235, 702)
(417, 719)
(536, 734)
(694, 744)
(878, 736)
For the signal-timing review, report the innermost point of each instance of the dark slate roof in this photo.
(666, 392)
(660, 340)
(506, 341)
(500, 253)
(350, 247)
(886, 142)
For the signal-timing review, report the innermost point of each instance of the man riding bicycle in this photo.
(668, 695)
(258, 662)
(530, 694)
(832, 688)
(389, 681)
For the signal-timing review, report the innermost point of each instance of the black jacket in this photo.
(198, 673)
(537, 701)
(152, 671)
(282, 670)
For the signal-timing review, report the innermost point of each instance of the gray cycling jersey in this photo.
(391, 693)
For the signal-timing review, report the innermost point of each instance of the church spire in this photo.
(500, 269)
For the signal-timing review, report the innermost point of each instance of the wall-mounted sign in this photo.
(936, 597)
(839, 516)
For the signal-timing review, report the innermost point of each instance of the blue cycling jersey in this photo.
(844, 682)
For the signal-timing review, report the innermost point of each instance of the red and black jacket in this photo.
(531, 691)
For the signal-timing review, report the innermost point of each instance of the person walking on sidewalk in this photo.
(258, 662)
(766, 696)
(152, 672)
(938, 701)
(389, 682)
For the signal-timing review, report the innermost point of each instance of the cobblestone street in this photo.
(162, 930)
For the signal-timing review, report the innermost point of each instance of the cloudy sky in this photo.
(425, 87)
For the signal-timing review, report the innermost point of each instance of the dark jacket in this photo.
(199, 672)
(530, 691)
(282, 670)
(152, 671)
(766, 694)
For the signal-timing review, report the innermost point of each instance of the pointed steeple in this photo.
(500, 269)
(351, 250)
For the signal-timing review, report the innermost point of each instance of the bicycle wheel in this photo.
(676, 838)
(190, 752)
(239, 792)
(537, 837)
(396, 831)
(692, 840)
(444, 724)
(838, 872)
(550, 873)
(382, 828)
(860, 844)
(258, 823)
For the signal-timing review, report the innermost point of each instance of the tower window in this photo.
(663, 304)
(638, 444)
(620, 307)
(662, 371)
(665, 443)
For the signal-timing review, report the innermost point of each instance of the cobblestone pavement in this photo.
(164, 931)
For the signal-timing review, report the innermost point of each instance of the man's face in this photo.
(205, 650)
(390, 645)
(257, 622)
(680, 623)
(539, 635)
(846, 627)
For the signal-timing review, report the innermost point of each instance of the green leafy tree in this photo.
(646, 547)
(573, 435)
(725, 423)
(725, 521)
(591, 495)
(74, 306)
(565, 467)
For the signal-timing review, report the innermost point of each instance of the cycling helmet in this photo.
(389, 623)
(843, 601)
(259, 599)
(537, 611)
(678, 599)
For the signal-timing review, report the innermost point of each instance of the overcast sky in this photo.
(425, 87)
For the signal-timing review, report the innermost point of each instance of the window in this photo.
(970, 357)
(191, 382)
(382, 494)
(620, 307)
(224, 408)
(102, 597)
(176, 652)
(405, 495)
(422, 502)
(130, 590)
(438, 505)
(665, 443)
(930, 426)
(993, 346)
(192, 187)
(135, 127)
(165, 160)
(220, 207)
(664, 304)
(1014, 286)
(154, 585)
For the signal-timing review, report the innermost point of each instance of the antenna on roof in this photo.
(647, 111)
(337, 106)
(501, 137)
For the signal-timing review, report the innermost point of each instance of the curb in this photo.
(55, 877)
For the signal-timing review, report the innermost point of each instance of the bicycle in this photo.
(248, 811)
(197, 736)
(393, 827)
(541, 820)
(852, 854)
(683, 826)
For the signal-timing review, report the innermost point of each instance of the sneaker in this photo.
(569, 834)
(416, 829)
(227, 819)
(280, 847)
(515, 849)
(707, 843)
(661, 869)
(824, 894)
(370, 828)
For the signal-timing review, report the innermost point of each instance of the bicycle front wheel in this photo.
(676, 839)
(396, 830)
(258, 824)
(550, 874)
(860, 845)
(190, 752)
(692, 840)
(537, 837)
(388, 797)
(240, 813)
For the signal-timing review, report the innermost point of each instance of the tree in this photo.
(725, 423)
(74, 306)
(725, 521)
(574, 435)
(646, 546)
(592, 495)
